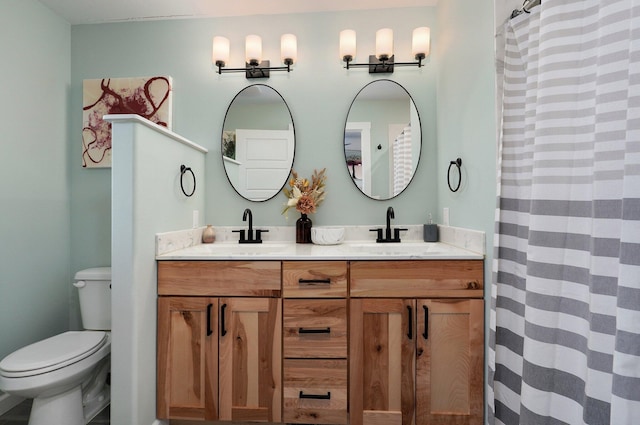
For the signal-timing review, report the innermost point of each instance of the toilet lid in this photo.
(53, 353)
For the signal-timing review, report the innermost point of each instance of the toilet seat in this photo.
(52, 353)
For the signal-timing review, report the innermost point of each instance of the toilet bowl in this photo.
(67, 375)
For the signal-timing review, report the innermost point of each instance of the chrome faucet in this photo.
(249, 236)
(387, 232)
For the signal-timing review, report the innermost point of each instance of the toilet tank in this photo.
(94, 291)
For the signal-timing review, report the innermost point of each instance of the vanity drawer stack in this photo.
(315, 342)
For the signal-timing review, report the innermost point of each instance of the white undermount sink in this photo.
(401, 248)
(247, 249)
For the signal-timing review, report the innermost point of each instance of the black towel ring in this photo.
(183, 170)
(457, 163)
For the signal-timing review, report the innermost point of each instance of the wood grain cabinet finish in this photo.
(220, 278)
(417, 278)
(315, 391)
(416, 335)
(315, 342)
(450, 361)
(315, 328)
(321, 342)
(314, 279)
(187, 358)
(382, 362)
(219, 358)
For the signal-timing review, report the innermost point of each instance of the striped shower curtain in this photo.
(564, 342)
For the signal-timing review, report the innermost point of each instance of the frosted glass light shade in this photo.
(347, 44)
(253, 49)
(220, 55)
(384, 43)
(289, 49)
(420, 45)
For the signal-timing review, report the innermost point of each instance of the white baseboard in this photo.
(8, 402)
(160, 422)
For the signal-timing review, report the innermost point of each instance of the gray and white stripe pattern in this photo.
(565, 300)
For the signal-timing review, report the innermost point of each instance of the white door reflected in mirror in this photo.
(258, 143)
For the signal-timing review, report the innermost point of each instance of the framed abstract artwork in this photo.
(149, 97)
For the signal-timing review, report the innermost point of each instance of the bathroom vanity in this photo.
(303, 334)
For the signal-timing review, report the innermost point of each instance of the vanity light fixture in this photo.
(255, 66)
(383, 60)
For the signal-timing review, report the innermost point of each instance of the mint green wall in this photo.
(466, 119)
(35, 280)
(466, 112)
(318, 91)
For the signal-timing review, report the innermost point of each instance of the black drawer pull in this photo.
(425, 334)
(410, 315)
(209, 330)
(223, 327)
(327, 280)
(326, 396)
(314, 331)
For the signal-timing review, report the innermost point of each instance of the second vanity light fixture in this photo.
(383, 60)
(255, 66)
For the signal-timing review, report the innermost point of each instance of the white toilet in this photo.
(67, 375)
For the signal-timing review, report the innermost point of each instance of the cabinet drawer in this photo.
(315, 328)
(219, 278)
(315, 391)
(408, 279)
(314, 279)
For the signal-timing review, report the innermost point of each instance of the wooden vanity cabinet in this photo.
(219, 348)
(315, 342)
(321, 342)
(416, 354)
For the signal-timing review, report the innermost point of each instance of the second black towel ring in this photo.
(458, 164)
(183, 170)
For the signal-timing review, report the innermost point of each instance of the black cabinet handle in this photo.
(426, 322)
(328, 280)
(326, 396)
(314, 331)
(209, 330)
(410, 314)
(223, 328)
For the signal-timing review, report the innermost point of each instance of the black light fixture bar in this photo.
(254, 69)
(382, 65)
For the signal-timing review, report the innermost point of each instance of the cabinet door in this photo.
(382, 361)
(187, 358)
(250, 360)
(450, 358)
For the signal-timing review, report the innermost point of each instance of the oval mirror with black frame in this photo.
(258, 143)
(382, 139)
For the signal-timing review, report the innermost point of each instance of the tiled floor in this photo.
(19, 415)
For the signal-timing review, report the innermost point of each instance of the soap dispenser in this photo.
(430, 232)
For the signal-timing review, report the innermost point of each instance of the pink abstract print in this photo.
(148, 97)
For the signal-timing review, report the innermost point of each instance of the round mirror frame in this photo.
(222, 143)
(415, 169)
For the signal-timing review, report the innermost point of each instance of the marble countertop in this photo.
(185, 245)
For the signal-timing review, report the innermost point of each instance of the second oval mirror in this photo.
(382, 139)
(258, 142)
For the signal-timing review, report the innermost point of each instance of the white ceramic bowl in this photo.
(327, 235)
